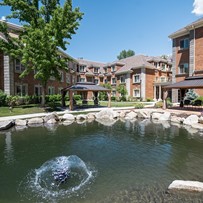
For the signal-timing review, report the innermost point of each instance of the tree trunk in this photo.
(43, 95)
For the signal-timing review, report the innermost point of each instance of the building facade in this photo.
(187, 54)
(144, 77)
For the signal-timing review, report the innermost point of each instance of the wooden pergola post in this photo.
(109, 99)
(71, 100)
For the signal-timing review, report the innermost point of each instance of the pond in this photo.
(131, 161)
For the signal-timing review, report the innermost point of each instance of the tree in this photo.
(124, 54)
(103, 95)
(47, 27)
(123, 91)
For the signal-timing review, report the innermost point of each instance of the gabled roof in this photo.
(185, 30)
(134, 62)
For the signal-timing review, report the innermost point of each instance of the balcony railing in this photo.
(162, 80)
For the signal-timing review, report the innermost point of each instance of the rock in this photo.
(34, 121)
(80, 122)
(20, 122)
(6, 125)
(51, 116)
(165, 124)
(131, 115)
(91, 116)
(200, 120)
(190, 130)
(68, 116)
(191, 186)
(166, 116)
(156, 115)
(123, 114)
(106, 114)
(193, 119)
(144, 113)
(198, 126)
(176, 119)
(81, 117)
(68, 122)
(51, 121)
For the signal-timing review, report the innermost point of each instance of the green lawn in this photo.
(5, 111)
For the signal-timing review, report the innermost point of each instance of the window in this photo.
(18, 66)
(113, 93)
(59, 90)
(163, 79)
(105, 70)
(21, 89)
(38, 90)
(113, 69)
(96, 81)
(81, 69)
(113, 80)
(82, 79)
(184, 68)
(184, 43)
(96, 70)
(136, 93)
(136, 78)
(51, 90)
(105, 81)
(122, 79)
(62, 76)
(163, 67)
(67, 78)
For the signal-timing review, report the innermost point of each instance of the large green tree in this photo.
(124, 54)
(47, 26)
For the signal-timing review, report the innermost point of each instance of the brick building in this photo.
(10, 70)
(143, 76)
(187, 54)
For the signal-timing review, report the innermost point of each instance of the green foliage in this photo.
(3, 97)
(103, 95)
(77, 97)
(191, 95)
(122, 90)
(53, 98)
(113, 98)
(124, 54)
(159, 104)
(47, 27)
(139, 105)
(199, 98)
(149, 99)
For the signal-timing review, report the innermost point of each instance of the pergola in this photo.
(85, 87)
(192, 82)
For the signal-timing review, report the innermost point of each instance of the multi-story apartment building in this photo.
(143, 76)
(187, 54)
(10, 70)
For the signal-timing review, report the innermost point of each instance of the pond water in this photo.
(132, 161)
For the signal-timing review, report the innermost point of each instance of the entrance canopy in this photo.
(193, 82)
(85, 87)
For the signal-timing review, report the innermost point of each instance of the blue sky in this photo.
(109, 26)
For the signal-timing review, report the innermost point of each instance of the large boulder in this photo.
(191, 186)
(91, 116)
(176, 119)
(68, 116)
(20, 122)
(6, 125)
(131, 116)
(156, 115)
(107, 114)
(81, 117)
(166, 116)
(123, 114)
(34, 121)
(51, 116)
(52, 121)
(144, 113)
(192, 119)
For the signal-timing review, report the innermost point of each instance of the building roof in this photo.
(185, 30)
(86, 86)
(193, 82)
(134, 62)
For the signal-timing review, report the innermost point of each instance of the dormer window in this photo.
(81, 69)
(18, 66)
(113, 69)
(96, 70)
(184, 68)
(122, 79)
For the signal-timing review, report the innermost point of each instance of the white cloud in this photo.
(198, 7)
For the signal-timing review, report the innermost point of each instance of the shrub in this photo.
(199, 98)
(139, 105)
(123, 98)
(103, 96)
(159, 104)
(149, 99)
(113, 98)
(3, 97)
(77, 97)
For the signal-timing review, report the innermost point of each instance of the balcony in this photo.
(163, 80)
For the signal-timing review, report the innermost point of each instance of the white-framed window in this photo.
(105, 81)
(96, 69)
(136, 92)
(96, 81)
(184, 68)
(21, 89)
(38, 90)
(122, 79)
(62, 76)
(113, 80)
(163, 67)
(113, 68)
(184, 43)
(81, 68)
(67, 78)
(113, 93)
(105, 70)
(51, 90)
(82, 79)
(136, 78)
(59, 90)
(163, 79)
(18, 66)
